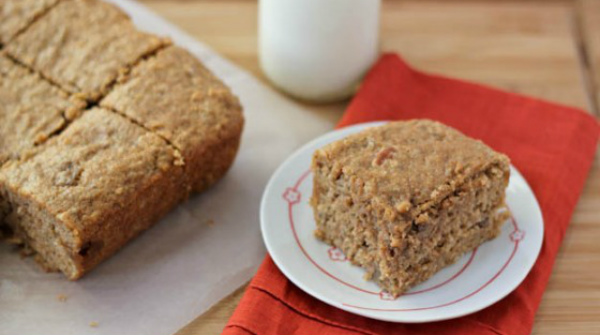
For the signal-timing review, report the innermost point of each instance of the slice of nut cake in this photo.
(405, 199)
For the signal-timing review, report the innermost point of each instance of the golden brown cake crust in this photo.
(16, 15)
(31, 109)
(100, 183)
(405, 199)
(418, 161)
(173, 95)
(82, 46)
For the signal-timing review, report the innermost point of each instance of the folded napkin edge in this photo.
(414, 70)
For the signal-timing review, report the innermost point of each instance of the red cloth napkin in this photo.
(553, 146)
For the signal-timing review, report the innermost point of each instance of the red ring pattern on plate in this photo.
(293, 197)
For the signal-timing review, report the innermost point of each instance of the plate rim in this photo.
(307, 289)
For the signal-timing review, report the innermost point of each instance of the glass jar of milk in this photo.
(318, 50)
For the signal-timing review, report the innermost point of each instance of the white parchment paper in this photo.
(181, 267)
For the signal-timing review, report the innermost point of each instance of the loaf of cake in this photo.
(406, 199)
(103, 130)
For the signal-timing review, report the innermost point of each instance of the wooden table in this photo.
(548, 49)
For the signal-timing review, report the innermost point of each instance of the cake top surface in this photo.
(175, 96)
(409, 162)
(82, 45)
(97, 166)
(15, 15)
(31, 109)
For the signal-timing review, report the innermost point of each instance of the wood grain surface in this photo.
(589, 23)
(545, 49)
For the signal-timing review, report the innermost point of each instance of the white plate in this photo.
(476, 281)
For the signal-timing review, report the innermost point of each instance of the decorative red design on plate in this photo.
(336, 255)
(517, 235)
(292, 196)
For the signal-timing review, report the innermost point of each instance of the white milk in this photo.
(318, 50)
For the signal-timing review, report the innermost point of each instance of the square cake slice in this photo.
(82, 195)
(82, 46)
(16, 15)
(31, 109)
(173, 95)
(405, 199)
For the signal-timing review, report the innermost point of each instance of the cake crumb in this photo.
(94, 324)
(61, 297)
(403, 207)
